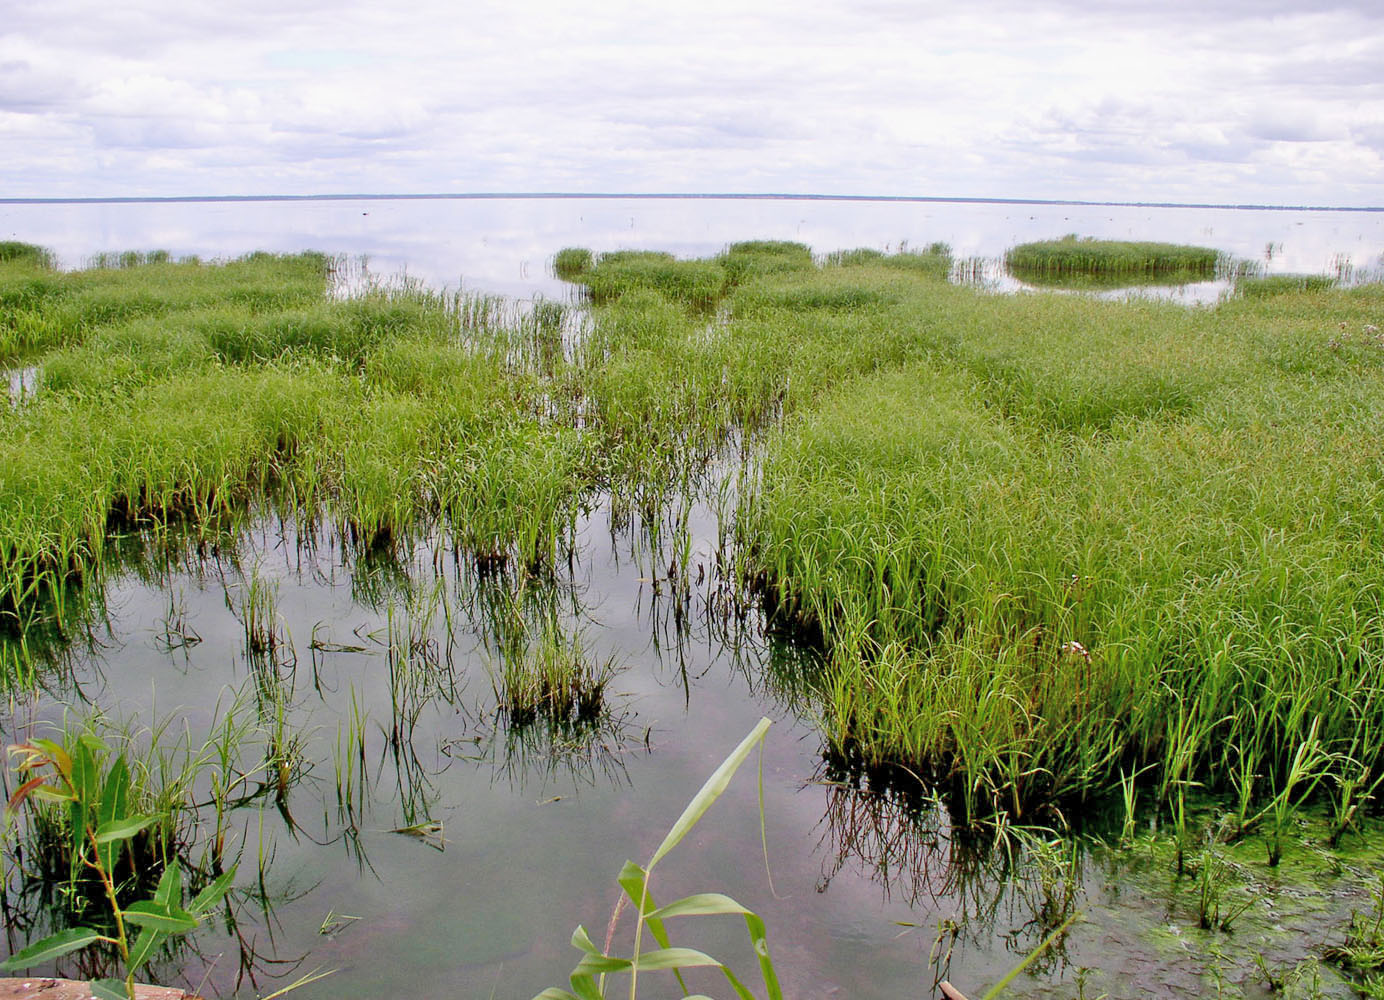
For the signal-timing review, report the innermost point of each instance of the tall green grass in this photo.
(43, 309)
(26, 254)
(1072, 255)
(1084, 537)
(1034, 542)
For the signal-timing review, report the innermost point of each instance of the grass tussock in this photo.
(15, 252)
(44, 309)
(1073, 255)
(1283, 284)
(1116, 537)
(571, 263)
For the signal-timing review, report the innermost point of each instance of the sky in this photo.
(1242, 101)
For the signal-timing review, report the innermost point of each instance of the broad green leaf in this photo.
(170, 888)
(584, 986)
(144, 946)
(86, 773)
(108, 989)
(169, 919)
(122, 829)
(697, 905)
(591, 965)
(634, 881)
(51, 947)
(114, 792)
(213, 893)
(553, 993)
(582, 941)
(674, 958)
(710, 792)
(47, 793)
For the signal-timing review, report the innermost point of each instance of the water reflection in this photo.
(505, 246)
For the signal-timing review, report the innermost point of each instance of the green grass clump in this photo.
(571, 263)
(395, 412)
(935, 261)
(1283, 284)
(42, 311)
(14, 252)
(1083, 537)
(1071, 255)
(551, 677)
(756, 258)
(692, 283)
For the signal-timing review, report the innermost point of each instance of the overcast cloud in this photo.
(1265, 101)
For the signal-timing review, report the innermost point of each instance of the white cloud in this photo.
(1228, 101)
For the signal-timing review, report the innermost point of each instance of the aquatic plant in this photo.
(1283, 284)
(570, 263)
(551, 677)
(1073, 255)
(1034, 533)
(26, 254)
(588, 979)
(695, 284)
(90, 786)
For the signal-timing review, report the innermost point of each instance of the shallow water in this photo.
(505, 246)
(534, 829)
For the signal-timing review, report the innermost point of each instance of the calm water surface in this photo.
(533, 829)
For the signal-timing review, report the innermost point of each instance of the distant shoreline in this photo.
(615, 196)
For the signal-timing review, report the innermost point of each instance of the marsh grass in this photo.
(26, 254)
(1074, 541)
(1073, 255)
(41, 309)
(570, 263)
(552, 677)
(1283, 284)
(1034, 543)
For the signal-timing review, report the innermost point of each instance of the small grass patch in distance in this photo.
(1074, 255)
(1283, 284)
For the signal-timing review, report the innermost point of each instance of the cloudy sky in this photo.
(1263, 101)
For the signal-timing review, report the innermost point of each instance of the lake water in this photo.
(505, 246)
(533, 830)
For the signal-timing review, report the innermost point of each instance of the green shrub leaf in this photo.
(108, 989)
(51, 947)
(169, 919)
(212, 894)
(122, 829)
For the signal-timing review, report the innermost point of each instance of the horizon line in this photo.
(668, 196)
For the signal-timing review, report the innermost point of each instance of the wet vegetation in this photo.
(1072, 255)
(1025, 558)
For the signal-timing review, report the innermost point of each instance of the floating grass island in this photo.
(1092, 258)
(1020, 556)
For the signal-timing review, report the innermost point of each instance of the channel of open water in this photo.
(517, 835)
